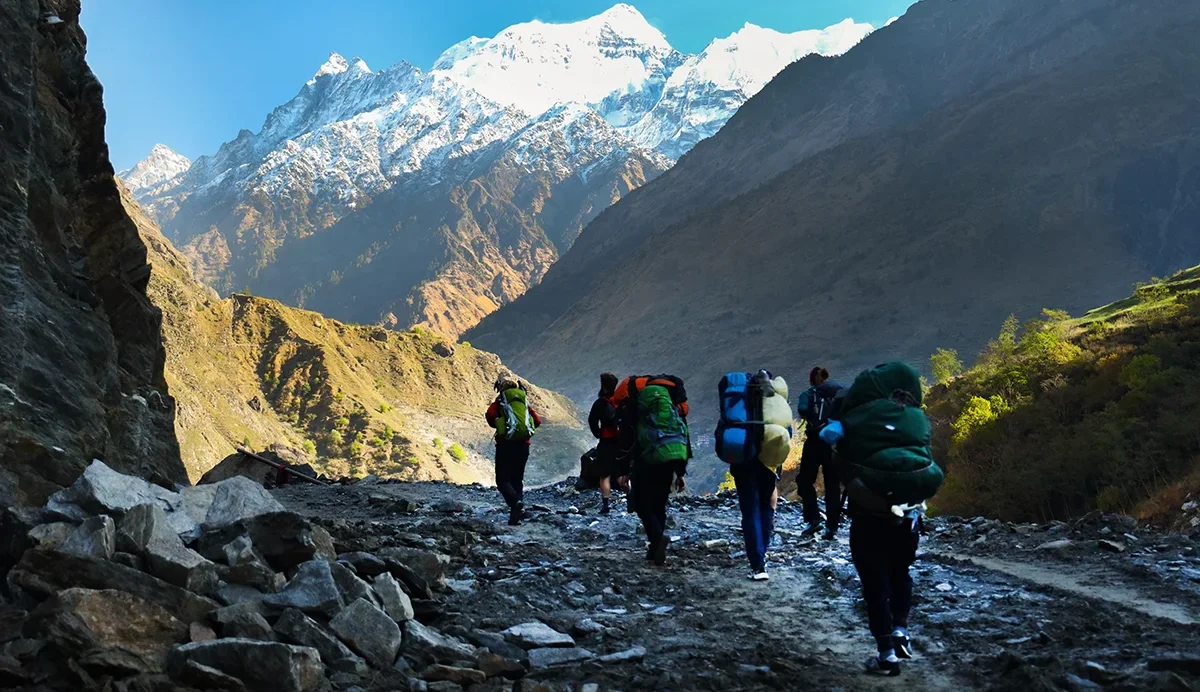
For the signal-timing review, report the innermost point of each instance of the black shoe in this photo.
(830, 534)
(660, 551)
(514, 515)
(889, 667)
(604, 508)
(903, 646)
(813, 529)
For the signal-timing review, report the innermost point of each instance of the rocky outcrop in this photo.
(81, 356)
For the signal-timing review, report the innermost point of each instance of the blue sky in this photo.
(191, 73)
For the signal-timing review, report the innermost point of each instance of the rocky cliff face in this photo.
(81, 357)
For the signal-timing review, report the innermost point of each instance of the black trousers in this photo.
(883, 550)
(815, 456)
(652, 484)
(511, 458)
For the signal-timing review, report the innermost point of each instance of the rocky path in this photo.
(1095, 604)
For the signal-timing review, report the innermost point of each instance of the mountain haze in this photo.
(404, 197)
(965, 161)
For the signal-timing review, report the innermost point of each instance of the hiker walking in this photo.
(754, 437)
(603, 421)
(515, 422)
(882, 438)
(652, 414)
(814, 407)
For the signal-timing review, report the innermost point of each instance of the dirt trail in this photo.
(1028, 620)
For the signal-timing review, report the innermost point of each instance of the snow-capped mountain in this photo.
(160, 166)
(508, 146)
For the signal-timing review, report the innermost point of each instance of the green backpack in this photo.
(662, 434)
(516, 425)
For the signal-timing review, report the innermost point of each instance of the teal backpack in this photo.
(662, 433)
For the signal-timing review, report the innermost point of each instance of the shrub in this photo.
(356, 448)
(945, 365)
(341, 422)
(336, 439)
(437, 443)
(310, 448)
(386, 408)
(457, 452)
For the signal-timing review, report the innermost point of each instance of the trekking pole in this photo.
(281, 468)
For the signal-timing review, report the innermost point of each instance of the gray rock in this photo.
(459, 676)
(95, 537)
(349, 585)
(206, 678)
(51, 535)
(368, 631)
(129, 560)
(547, 658)
(428, 642)
(283, 539)
(244, 620)
(297, 628)
(1056, 545)
(1178, 663)
(1112, 546)
(101, 490)
(496, 666)
(240, 551)
(395, 602)
(237, 499)
(312, 590)
(232, 594)
(259, 665)
(588, 626)
(197, 500)
(146, 531)
(365, 565)
(635, 654)
(497, 645)
(429, 565)
(1074, 683)
(256, 575)
(45, 573)
(533, 635)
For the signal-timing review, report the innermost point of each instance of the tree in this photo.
(945, 365)
(1007, 338)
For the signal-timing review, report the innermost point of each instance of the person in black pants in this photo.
(815, 406)
(653, 483)
(511, 457)
(603, 422)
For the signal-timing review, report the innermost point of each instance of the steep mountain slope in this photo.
(577, 114)
(1063, 171)
(81, 359)
(161, 166)
(251, 372)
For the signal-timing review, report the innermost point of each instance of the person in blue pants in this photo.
(756, 495)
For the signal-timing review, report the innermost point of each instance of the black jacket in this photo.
(602, 417)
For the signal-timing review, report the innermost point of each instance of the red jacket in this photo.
(494, 412)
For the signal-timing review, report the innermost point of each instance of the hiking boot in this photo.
(604, 506)
(830, 534)
(879, 664)
(660, 551)
(902, 645)
(515, 514)
(760, 576)
(813, 529)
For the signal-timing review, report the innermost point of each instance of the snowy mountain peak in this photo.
(161, 165)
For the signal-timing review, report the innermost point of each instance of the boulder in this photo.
(365, 565)
(95, 537)
(633, 655)
(1112, 546)
(46, 572)
(349, 585)
(534, 635)
(200, 632)
(246, 625)
(429, 565)
(258, 665)
(284, 539)
(395, 602)
(495, 666)
(109, 623)
(50, 535)
(414, 585)
(498, 645)
(428, 642)
(129, 560)
(232, 594)
(312, 590)
(297, 628)
(368, 631)
(204, 677)
(146, 531)
(547, 658)
(197, 500)
(238, 499)
(459, 676)
(101, 490)
(239, 465)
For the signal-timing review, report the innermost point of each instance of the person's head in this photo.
(818, 376)
(608, 384)
(505, 382)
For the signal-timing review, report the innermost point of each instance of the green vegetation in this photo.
(1061, 416)
(386, 408)
(310, 448)
(945, 365)
(336, 439)
(457, 452)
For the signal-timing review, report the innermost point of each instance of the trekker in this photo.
(652, 413)
(603, 421)
(754, 437)
(515, 423)
(883, 443)
(814, 407)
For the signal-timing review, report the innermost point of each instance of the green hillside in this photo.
(1063, 415)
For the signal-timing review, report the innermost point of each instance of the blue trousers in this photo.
(755, 486)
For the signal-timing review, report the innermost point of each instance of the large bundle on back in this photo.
(755, 419)
(886, 435)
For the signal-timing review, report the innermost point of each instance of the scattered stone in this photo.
(443, 686)
(84, 620)
(546, 658)
(129, 560)
(1074, 683)
(242, 622)
(145, 531)
(349, 585)
(284, 539)
(395, 602)
(430, 566)
(48, 572)
(495, 666)
(944, 587)
(1056, 545)
(206, 678)
(101, 490)
(414, 584)
(365, 565)
(428, 642)
(51, 535)
(716, 543)
(633, 655)
(200, 632)
(1112, 546)
(496, 644)
(590, 687)
(369, 631)
(449, 507)
(232, 594)
(259, 665)
(458, 676)
(297, 628)
(95, 537)
(532, 635)
(587, 626)
(256, 575)
(237, 499)
(312, 590)
(1177, 663)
